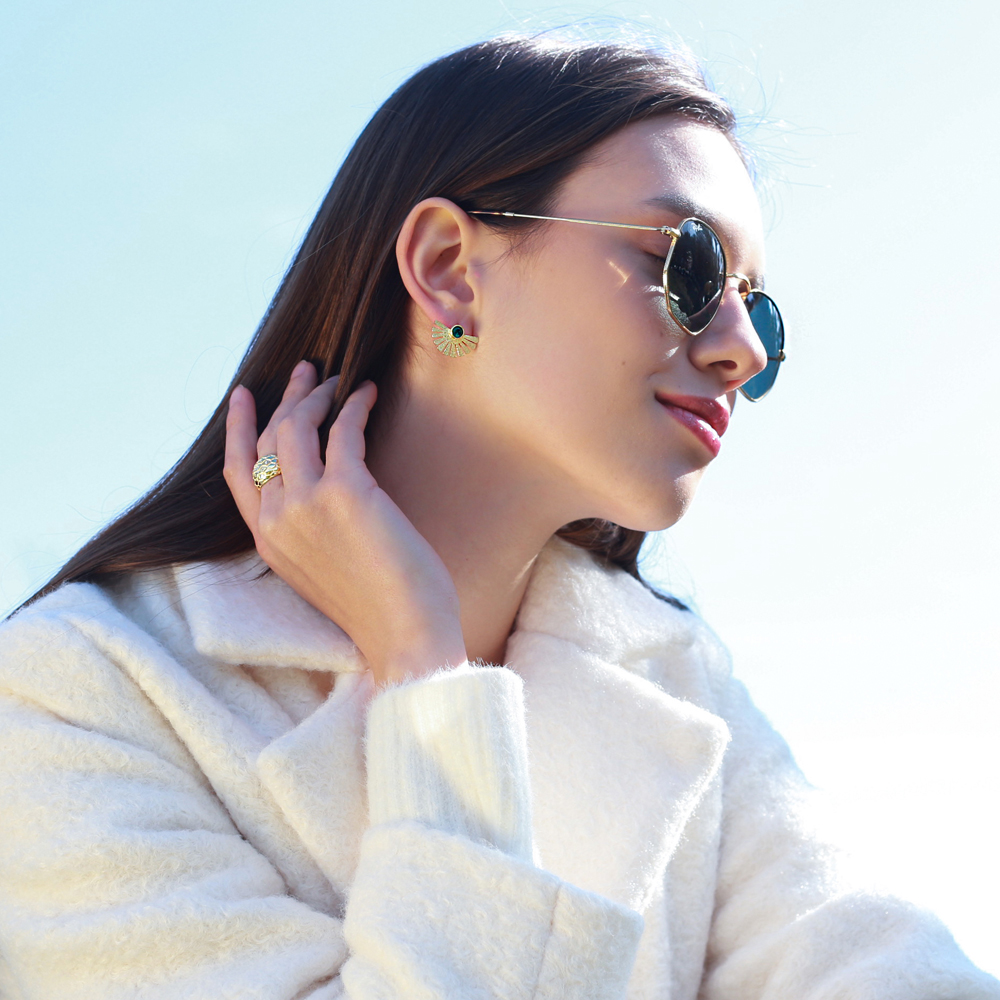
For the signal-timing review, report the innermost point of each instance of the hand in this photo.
(335, 537)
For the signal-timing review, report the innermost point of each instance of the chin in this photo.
(656, 507)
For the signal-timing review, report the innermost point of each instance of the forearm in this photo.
(446, 899)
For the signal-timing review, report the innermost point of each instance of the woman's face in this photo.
(578, 357)
(581, 397)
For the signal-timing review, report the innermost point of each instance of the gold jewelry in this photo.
(265, 469)
(453, 341)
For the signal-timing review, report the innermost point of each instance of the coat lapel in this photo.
(618, 764)
(316, 774)
(311, 778)
(620, 753)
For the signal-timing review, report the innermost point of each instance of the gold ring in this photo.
(264, 469)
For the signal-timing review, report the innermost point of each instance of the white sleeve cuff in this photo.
(450, 751)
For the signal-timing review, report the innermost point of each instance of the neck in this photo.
(485, 517)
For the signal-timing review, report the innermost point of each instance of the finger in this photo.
(298, 436)
(272, 494)
(346, 447)
(301, 382)
(241, 453)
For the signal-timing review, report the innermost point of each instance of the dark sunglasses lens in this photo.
(696, 276)
(767, 322)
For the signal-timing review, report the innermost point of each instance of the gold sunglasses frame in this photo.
(675, 235)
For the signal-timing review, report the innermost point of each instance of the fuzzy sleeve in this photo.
(446, 901)
(784, 926)
(123, 875)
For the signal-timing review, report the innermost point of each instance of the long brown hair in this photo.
(498, 125)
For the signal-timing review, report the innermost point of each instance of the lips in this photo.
(707, 419)
(710, 410)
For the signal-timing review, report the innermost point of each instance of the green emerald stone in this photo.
(457, 332)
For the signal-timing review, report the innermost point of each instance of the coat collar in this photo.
(240, 613)
(621, 747)
(602, 610)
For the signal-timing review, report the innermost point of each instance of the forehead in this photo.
(659, 171)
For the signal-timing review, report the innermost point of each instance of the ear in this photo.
(434, 250)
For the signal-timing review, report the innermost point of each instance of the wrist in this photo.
(418, 658)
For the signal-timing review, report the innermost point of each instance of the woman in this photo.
(245, 752)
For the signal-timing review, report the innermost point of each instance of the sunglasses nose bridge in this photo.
(743, 284)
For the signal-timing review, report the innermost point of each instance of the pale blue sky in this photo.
(160, 160)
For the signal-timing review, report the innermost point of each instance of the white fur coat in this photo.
(201, 800)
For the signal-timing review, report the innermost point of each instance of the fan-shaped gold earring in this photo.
(453, 340)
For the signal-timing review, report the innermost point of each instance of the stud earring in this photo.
(453, 340)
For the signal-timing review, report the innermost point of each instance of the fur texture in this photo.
(186, 767)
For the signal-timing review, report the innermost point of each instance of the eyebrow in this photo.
(686, 207)
(683, 206)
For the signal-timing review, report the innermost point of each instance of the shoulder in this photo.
(79, 654)
(77, 616)
(52, 634)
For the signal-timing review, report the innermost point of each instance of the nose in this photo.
(729, 347)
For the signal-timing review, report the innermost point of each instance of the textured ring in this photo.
(264, 469)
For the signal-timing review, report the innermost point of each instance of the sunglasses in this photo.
(694, 280)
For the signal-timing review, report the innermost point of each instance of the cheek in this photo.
(565, 363)
(574, 347)
(574, 325)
